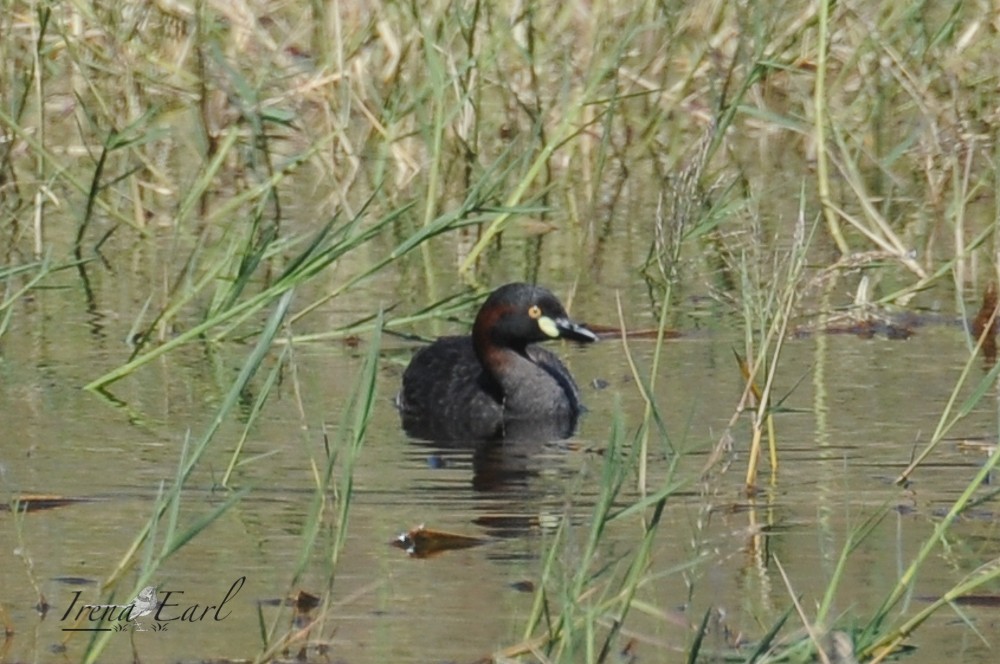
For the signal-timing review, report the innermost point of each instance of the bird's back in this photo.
(445, 388)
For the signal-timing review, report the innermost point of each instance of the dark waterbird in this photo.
(496, 383)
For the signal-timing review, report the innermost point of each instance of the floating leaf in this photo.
(421, 542)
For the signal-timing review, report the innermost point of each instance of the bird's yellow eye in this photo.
(535, 312)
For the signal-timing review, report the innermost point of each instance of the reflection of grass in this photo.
(200, 132)
(583, 601)
(164, 524)
(327, 524)
(326, 527)
(11, 289)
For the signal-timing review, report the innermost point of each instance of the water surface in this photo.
(856, 411)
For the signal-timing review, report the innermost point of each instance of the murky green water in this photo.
(857, 410)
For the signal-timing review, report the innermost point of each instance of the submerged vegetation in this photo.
(189, 166)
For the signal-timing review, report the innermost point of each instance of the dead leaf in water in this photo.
(304, 602)
(869, 328)
(984, 446)
(536, 227)
(421, 542)
(984, 601)
(33, 502)
(612, 332)
(985, 325)
(989, 601)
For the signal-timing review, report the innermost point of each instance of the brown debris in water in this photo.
(421, 542)
(867, 327)
(985, 446)
(302, 604)
(870, 328)
(33, 502)
(985, 323)
(863, 318)
(613, 332)
(298, 642)
(989, 601)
